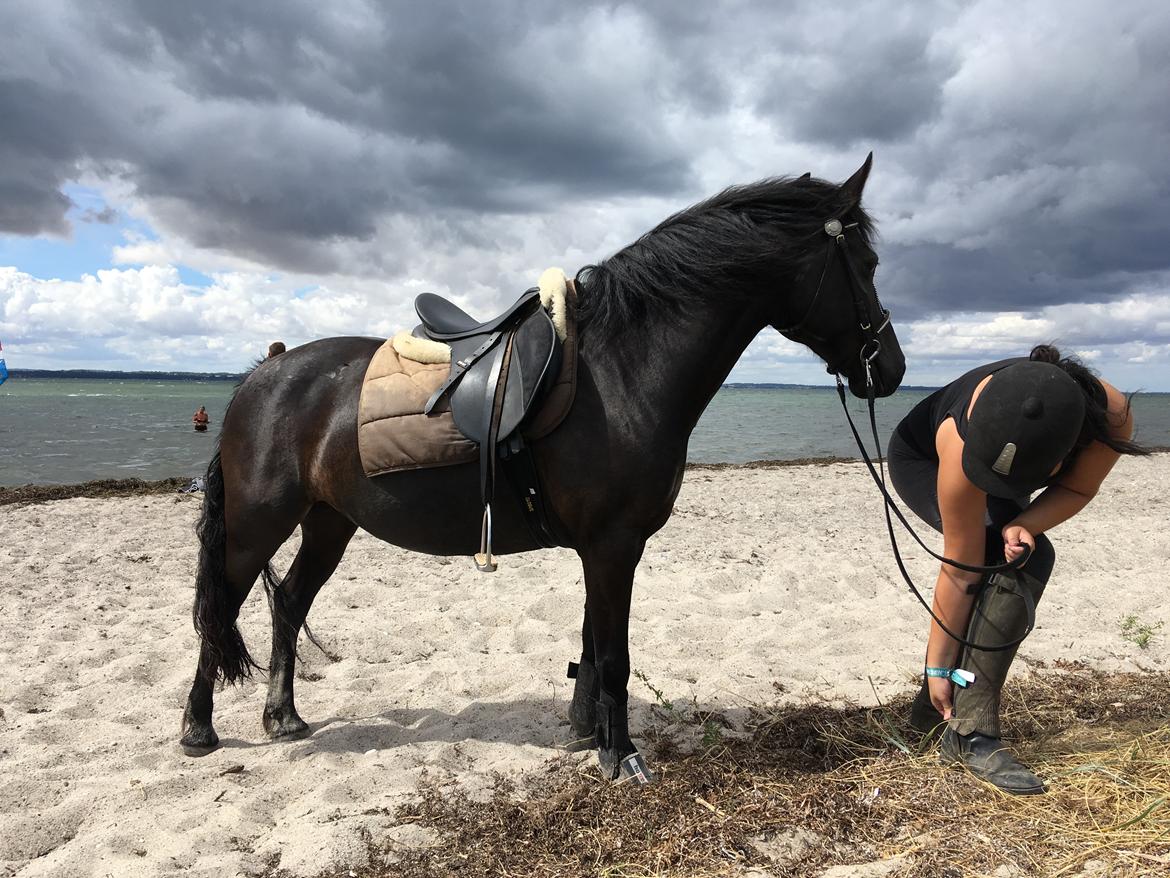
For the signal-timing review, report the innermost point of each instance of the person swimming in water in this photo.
(200, 420)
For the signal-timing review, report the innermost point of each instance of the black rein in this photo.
(866, 308)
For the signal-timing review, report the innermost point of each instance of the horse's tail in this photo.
(214, 619)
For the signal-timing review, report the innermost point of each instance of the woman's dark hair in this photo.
(1096, 426)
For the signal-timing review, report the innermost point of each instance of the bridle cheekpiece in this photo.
(867, 308)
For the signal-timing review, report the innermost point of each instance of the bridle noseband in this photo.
(867, 308)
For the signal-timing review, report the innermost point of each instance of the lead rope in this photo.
(889, 504)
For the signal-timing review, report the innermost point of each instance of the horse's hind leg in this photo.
(242, 567)
(232, 554)
(324, 535)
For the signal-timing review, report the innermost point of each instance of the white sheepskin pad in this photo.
(552, 296)
(421, 350)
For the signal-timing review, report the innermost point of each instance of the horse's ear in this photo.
(807, 175)
(855, 184)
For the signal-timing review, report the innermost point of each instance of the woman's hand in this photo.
(941, 690)
(1015, 538)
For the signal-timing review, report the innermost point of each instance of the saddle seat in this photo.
(500, 370)
(443, 320)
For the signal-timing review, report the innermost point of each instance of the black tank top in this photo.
(919, 428)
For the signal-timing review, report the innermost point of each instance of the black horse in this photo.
(661, 323)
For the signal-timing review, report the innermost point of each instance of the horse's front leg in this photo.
(609, 563)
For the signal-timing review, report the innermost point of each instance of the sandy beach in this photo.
(762, 577)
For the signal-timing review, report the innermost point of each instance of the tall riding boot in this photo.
(1000, 615)
(923, 715)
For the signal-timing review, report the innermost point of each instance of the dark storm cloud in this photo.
(868, 79)
(264, 127)
(1038, 261)
(39, 151)
(1019, 163)
(462, 103)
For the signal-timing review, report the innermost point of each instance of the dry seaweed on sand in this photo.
(799, 789)
(98, 488)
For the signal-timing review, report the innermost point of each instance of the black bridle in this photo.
(867, 308)
(868, 311)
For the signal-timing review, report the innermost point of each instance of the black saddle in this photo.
(500, 369)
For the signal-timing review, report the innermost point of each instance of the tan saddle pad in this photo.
(393, 433)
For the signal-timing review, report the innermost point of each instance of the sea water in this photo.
(65, 430)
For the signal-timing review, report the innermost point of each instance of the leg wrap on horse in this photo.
(1000, 615)
(613, 724)
(583, 708)
(616, 754)
(612, 731)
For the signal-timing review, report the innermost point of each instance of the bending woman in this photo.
(967, 460)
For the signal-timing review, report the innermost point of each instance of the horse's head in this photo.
(833, 307)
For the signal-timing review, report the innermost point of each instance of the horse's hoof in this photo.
(283, 723)
(199, 743)
(292, 735)
(631, 768)
(289, 730)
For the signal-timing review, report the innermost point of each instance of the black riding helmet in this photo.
(1024, 423)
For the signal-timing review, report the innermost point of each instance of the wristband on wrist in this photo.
(958, 676)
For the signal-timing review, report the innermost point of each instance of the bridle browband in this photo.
(868, 310)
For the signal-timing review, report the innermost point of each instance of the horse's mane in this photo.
(722, 248)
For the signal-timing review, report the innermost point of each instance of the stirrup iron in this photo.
(484, 562)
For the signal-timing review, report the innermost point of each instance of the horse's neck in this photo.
(669, 366)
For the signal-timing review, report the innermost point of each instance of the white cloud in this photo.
(131, 318)
(125, 318)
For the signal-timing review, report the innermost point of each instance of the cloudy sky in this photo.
(182, 183)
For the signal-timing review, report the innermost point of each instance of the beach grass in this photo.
(797, 790)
